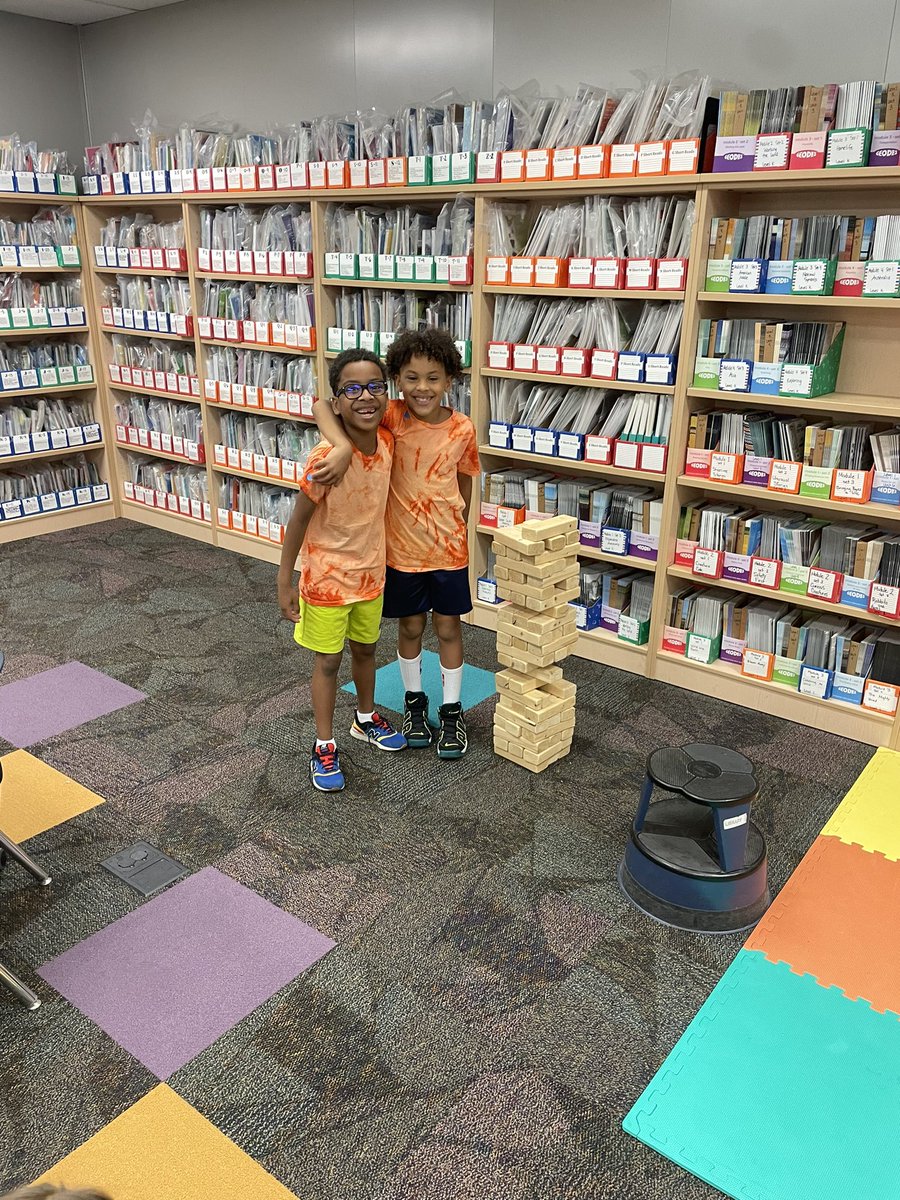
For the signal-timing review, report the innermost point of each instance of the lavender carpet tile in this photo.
(168, 979)
(62, 698)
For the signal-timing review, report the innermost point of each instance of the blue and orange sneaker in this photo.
(378, 732)
(325, 769)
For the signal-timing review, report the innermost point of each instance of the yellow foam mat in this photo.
(35, 797)
(869, 815)
(162, 1147)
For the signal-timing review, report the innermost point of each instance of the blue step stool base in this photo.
(693, 920)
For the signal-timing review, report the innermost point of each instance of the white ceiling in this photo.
(79, 12)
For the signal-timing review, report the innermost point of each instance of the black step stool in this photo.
(694, 859)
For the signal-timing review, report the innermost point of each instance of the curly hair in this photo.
(436, 344)
(344, 359)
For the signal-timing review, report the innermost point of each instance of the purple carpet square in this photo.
(168, 979)
(43, 705)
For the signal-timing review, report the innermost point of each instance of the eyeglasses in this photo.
(353, 391)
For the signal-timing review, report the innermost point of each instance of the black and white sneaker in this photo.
(416, 730)
(453, 740)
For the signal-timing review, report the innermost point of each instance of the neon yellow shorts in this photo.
(325, 629)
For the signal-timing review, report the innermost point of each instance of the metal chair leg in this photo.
(8, 846)
(22, 993)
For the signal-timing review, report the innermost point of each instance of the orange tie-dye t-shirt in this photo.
(343, 554)
(425, 526)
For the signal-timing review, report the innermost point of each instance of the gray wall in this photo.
(41, 94)
(274, 60)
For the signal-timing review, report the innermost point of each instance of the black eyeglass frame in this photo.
(375, 387)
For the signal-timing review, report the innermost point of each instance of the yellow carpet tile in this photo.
(35, 797)
(162, 1147)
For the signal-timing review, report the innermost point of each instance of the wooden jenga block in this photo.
(518, 756)
(558, 542)
(563, 688)
(515, 708)
(511, 539)
(530, 552)
(511, 721)
(538, 629)
(549, 594)
(525, 664)
(536, 573)
(573, 538)
(539, 531)
(542, 707)
(539, 676)
(516, 595)
(515, 683)
(525, 657)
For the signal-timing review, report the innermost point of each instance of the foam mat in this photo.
(780, 1089)
(786, 1085)
(477, 685)
(869, 815)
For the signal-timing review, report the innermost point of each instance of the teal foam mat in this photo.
(477, 685)
(780, 1089)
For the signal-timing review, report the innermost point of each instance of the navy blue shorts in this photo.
(444, 592)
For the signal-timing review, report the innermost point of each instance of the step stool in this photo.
(694, 859)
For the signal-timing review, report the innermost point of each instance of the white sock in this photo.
(451, 679)
(411, 672)
(320, 742)
(363, 717)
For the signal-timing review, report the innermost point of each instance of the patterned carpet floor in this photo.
(492, 1006)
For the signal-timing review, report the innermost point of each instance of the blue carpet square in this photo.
(477, 685)
(780, 1089)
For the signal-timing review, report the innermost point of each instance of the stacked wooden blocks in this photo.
(537, 572)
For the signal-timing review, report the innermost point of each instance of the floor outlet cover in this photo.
(144, 868)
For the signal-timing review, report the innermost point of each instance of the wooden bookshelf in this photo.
(20, 207)
(868, 385)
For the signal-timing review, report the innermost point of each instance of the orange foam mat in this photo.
(35, 797)
(837, 919)
(159, 1148)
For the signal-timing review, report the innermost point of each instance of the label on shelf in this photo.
(765, 573)
(824, 585)
(784, 476)
(881, 697)
(707, 563)
(757, 664)
(884, 599)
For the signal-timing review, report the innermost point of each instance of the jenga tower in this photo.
(537, 572)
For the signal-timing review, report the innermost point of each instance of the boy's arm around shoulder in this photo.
(334, 466)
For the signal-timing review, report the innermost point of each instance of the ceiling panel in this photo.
(79, 12)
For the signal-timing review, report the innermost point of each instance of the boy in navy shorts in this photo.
(435, 460)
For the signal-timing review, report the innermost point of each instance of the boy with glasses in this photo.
(435, 459)
(342, 563)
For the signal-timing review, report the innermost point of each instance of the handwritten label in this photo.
(734, 376)
(745, 276)
(757, 663)
(785, 476)
(699, 648)
(823, 585)
(764, 572)
(881, 696)
(614, 541)
(815, 682)
(707, 562)
(796, 379)
(809, 276)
